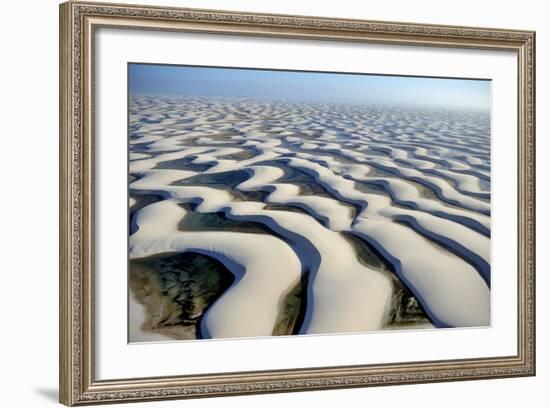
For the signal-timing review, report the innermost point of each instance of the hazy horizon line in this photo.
(326, 100)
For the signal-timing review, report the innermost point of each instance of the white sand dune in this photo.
(336, 215)
(264, 268)
(447, 192)
(417, 195)
(342, 287)
(453, 292)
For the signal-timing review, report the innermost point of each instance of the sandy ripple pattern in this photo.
(411, 184)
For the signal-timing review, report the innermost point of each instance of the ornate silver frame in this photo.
(78, 22)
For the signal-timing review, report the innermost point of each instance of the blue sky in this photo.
(253, 83)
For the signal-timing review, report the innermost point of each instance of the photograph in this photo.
(267, 202)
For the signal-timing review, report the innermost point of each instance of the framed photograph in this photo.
(258, 203)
